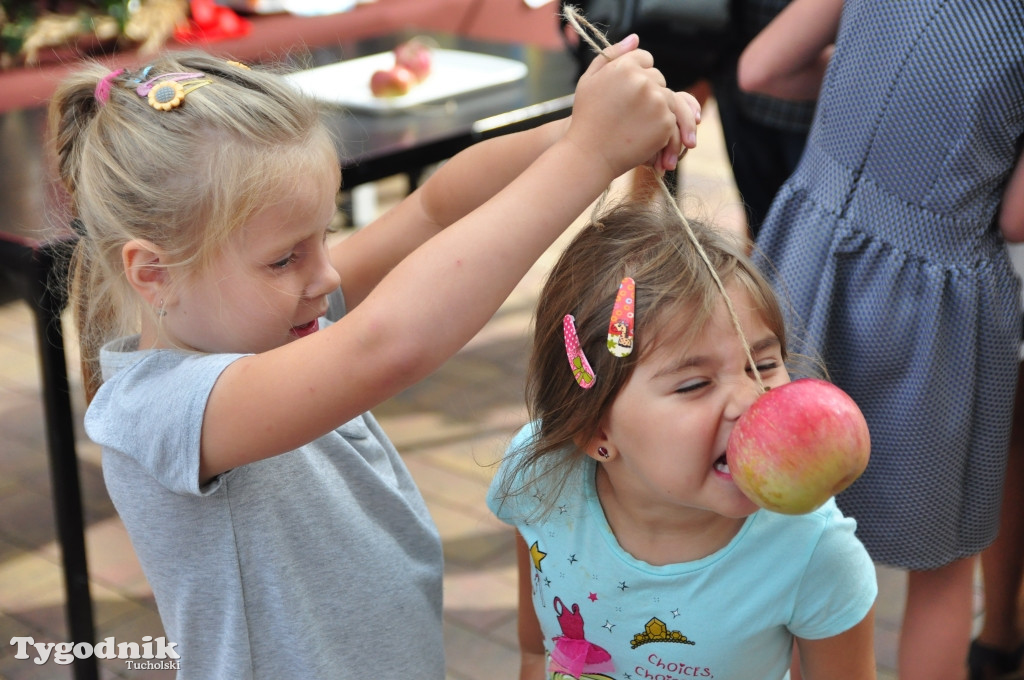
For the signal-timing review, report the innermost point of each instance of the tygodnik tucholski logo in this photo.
(150, 654)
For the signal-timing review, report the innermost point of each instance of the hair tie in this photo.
(102, 92)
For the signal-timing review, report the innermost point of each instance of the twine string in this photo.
(598, 42)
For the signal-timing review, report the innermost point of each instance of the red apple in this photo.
(414, 55)
(798, 445)
(393, 82)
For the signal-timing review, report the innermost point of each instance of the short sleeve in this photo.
(152, 411)
(839, 585)
(509, 507)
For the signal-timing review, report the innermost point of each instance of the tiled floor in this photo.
(448, 427)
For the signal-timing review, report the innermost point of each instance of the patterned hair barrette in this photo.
(167, 91)
(620, 328)
(581, 369)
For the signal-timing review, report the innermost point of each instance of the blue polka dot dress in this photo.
(884, 243)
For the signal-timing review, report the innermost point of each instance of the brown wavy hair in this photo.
(675, 297)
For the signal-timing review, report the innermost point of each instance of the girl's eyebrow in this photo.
(765, 343)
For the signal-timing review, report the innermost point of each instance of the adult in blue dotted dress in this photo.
(886, 243)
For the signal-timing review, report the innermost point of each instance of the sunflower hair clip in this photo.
(167, 91)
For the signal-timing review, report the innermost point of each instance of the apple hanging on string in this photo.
(798, 445)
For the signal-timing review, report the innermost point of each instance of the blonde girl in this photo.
(231, 356)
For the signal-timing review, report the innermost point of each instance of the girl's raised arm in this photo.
(438, 297)
(788, 58)
(460, 185)
(364, 258)
(1011, 210)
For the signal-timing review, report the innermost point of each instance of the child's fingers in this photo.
(687, 111)
(625, 99)
(692, 103)
(627, 44)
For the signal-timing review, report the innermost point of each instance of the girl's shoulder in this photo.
(122, 360)
(808, 528)
(818, 544)
(524, 487)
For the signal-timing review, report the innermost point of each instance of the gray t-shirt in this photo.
(322, 562)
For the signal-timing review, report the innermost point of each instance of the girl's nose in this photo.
(327, 278)
(741, 396)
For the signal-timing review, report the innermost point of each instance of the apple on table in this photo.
(393, 82)
(416, 55)
(413, 63)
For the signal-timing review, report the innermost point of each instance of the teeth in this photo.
(722, 465)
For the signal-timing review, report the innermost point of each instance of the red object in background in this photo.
(210, 22)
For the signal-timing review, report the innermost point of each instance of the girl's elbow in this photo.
(746, 75)
(751, 76)
(1011, 224)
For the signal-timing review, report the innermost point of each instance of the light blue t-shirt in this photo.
(320, 563)
(730, 616)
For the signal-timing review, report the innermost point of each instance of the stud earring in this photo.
(603, 452)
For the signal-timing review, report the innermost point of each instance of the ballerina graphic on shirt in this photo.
(573, 656)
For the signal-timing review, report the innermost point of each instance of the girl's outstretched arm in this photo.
(1011, 210)
(531, 637)
(787, 59)
(458, 187)
(847, 656)
(365, 257)
(438, 297)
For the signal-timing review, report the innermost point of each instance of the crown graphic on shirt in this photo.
(657, 631)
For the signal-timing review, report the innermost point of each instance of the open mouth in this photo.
(721, 465)
(306, 328)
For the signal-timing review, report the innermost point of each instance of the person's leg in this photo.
(936, 628)
(1002, 563)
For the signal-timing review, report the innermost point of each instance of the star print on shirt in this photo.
(622, 586)
(609, 625)
(592, 597)
(537, 555)
(572, 558)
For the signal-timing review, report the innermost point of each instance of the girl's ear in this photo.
(599, 447)
(145, 270)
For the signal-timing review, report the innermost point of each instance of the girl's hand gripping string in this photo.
(624, 111)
